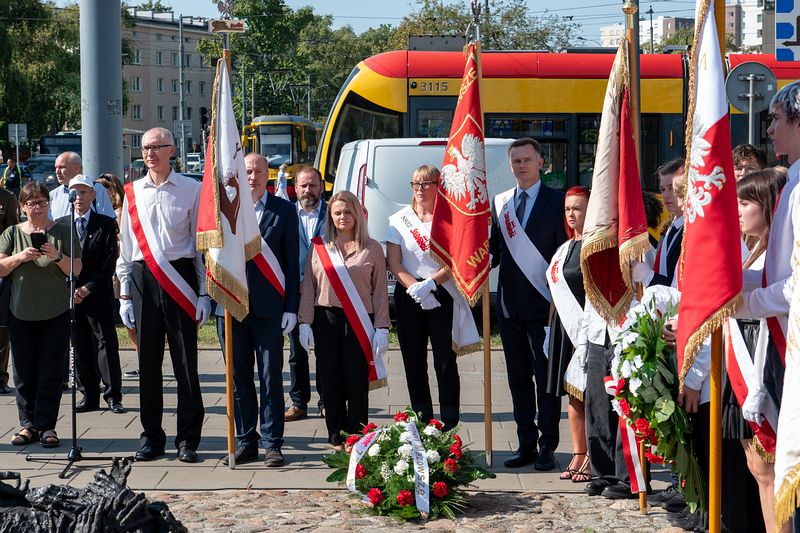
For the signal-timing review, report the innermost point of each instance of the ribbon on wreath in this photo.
(630, 444)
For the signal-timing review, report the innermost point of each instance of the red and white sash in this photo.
(776, 330)
(525, 254)
(630, 445)
(744, 376)
(169, 279)
(416, 236)
(270, 268)
(354, 309)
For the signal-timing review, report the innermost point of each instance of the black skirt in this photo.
(734, 426)
(560, 349)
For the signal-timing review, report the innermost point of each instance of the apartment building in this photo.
(662, 27)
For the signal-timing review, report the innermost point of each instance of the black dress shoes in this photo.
(187, 455)
(242, 455)
(545, 461)
(85, 406)
(597, 486)
(115, 406)
(148, 453)
(521, 458)
(619, 491)
(4, 388)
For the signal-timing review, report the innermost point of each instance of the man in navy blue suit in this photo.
(258, 339)
(527, 228)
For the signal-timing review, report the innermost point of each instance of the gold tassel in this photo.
(468, 349)
(764, 454)
(787, 497)
(234, 298)
(573, 391)
(252, 248)
(598, 242)
(378, 384)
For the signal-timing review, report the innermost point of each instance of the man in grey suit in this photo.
(311, 211)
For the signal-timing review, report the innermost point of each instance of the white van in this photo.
(378, 172)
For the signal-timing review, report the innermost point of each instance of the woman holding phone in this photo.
(35, 255)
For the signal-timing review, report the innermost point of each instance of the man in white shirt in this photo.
(69, 165)
(162, 292)
(311, 211)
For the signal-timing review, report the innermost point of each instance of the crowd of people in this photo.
(134, 253)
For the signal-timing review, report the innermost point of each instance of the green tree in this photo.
(155, 7)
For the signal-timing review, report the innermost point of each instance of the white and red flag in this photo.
(227, 230)
(710, 274)
(615, 230)
(460, 230)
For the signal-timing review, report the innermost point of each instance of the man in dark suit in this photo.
(8, 217)
(259, 338)
(96, 345)
(523, 300)
(311, 212)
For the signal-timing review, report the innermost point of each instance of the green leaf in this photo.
(340, 474)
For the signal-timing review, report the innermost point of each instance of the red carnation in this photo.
(440, 489)
(457, 439)
(455, 449)
(642, 426)
(435, 423)
(400, 416)
(620, 386)
(625, 406)
(360, 471)
(352, 440)
(451, 465)
(375, 496)
(368, 428)
(404, 497)
(653, 458)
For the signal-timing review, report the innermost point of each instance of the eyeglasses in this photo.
(155, 148)
(40, 203)
(424, 185)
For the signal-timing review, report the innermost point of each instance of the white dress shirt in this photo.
(533, 192)
(308, 219)
(59, 202)
(260, 206)
(172, 209)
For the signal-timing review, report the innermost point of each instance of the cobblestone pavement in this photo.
(328, 511)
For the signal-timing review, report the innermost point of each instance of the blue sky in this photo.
(362, 14)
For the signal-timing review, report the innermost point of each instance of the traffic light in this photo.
(203, 117)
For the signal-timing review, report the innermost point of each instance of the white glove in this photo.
(752, 407)
(546, 345)
(288, 322)
(306, 337)
(641, 272)
(419, 290)
(380, 341)
(203, 310)
(580, 355)
(126, 313)
(429, 302)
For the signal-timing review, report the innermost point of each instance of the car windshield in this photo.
(42, 166)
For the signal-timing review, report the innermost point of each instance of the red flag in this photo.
(615, 230)
(460, 229)
(711, 271)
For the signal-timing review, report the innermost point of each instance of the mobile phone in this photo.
(38, 239)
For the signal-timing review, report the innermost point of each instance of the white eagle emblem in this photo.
(468, 175)
(699, 186)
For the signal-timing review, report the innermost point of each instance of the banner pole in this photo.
(229, 388)
(715, 436)
(487, 373)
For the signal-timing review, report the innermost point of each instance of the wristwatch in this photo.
(59, 257)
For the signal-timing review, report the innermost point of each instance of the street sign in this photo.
(183, 128)
(787, 21)
(18, 133)
(226, 26)
(750, 88)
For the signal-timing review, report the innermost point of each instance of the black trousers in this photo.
(97, 352)
(39, 347)
(414, 328)
(300, 388)
(343, 371)
(602, 422)
(523, 342)
(4, 353)
(158, 315)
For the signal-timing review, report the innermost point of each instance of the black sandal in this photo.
(50, 439)
(584, 474)
(570, 472)
(24, 437)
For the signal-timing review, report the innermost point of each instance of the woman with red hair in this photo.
(566, 374)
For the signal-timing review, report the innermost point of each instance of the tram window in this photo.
(651, 158)
(360, 123)
(554, 171)
(311, 142)
(538, 128)
(434, 122)
(275, 141)
(588, 132)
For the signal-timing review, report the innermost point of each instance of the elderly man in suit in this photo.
(527, 228)
(96, 346)
(311, 210)
(258, 339)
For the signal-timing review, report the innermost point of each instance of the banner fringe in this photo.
(598, 242)
(698, 337)
(468, 349)
(252, 248)
(209, 239)
(787, 497)
(572, 390)
(632, 250)
(378, 384)
(472, 300)
(764, 454)
(228, 299)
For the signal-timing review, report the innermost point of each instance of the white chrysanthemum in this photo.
(433, 456)
(625, 369)
(617, 408)
(431, 431)
(634, 385)
(628, 338)
(637, 361)
(382, 436)
(386, 472)
(401, 467)
(374, 450)
(405, 436)
(404, 450)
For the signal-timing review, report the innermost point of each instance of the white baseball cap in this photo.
(81, 179)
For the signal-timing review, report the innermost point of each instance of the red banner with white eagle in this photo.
(460, 229)
(711, 273)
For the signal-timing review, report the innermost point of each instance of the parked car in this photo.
(42, 168)
(194, 162)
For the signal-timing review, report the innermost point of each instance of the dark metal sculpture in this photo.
(105, 505)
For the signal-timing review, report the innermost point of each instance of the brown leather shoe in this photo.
(294, 413)
(273, 457)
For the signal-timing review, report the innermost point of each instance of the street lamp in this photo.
(650, 12)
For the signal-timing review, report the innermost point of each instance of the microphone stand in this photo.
(74, 455)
